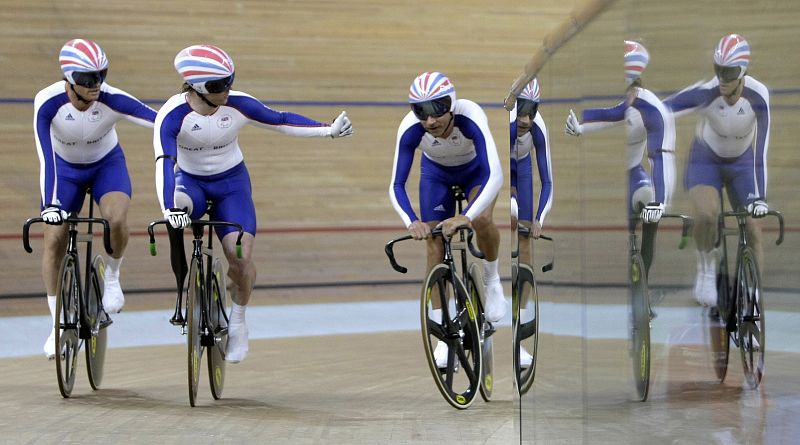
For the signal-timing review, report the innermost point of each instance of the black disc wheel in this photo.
(721, 320)
(68, 341)
(750, 317)
(525, 328)
(459, 377)
(193, 314)
(486, 331)
(98, 321)
(640, 326)
(218, 320)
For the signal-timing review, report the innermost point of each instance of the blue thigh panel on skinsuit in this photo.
(109, 174)
(707, 168)
(229, 191)
(525, 188)
(436, 201)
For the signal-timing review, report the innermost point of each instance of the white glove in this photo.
(514, 208)
(758, 208)
(652, 212)
(54, 215)
(573, 127)
(341, 126)
(177, 218)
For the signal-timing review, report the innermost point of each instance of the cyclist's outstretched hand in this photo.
(341, 126)
(54, 215)
(652, 212)
(177, 218)
(758, 208)
(450, 225)
(419, 230)
(573, 127)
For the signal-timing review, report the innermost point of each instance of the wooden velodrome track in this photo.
(324, 215)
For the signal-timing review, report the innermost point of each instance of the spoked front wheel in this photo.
(525, 328)
(218, 323)
(640, 329)
(97, 321)
(486, 331)
(68, 343)
(750, 317)
(459, 379)
(193, 316)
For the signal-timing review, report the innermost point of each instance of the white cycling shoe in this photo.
(440, 354)
(705, 289)
(525, 358)
(237, 343)
(50, 346)
(496, 305)
(113, 300)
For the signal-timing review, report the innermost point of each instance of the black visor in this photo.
(727, 73)
(527, 107)
(91, 79)
(220, 85)
(433, 108)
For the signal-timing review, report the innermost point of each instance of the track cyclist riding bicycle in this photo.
(729, 149)
(198, 158)
(457, 149)
(650, 130)
(74, 124)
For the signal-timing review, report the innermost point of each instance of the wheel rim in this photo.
(486, 331)
(195, 351)
(97, 343)
(750, 315)
(640, 308)
(66, 330)
(219, 325)
(460, 380)
(526, 327)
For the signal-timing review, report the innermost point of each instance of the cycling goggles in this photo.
(90, 79)
(527, 107)
(727, 73)
(433, 108)
(220, 85)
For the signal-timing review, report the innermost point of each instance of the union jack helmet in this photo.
(636, 59)
(430, 86)
(531, 91)
(81, 56)
(733, 50)
(199, 64)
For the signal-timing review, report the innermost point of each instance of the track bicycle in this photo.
(525, 320)
(641, 304)
(739, 316)
(457, 288)
(203, 317)
(79, 317)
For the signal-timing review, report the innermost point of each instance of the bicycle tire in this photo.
(194, 354)
(486, 331)
(218, 321)
(750, 318)
(97, 343)
(525, 326)
(720, 325)
(459, 382)
(640, 326)
(68, 291)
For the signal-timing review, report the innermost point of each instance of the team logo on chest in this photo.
(225, 121)
(95, 116)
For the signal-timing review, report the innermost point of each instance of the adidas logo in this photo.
(741, 111)
(439, 208)
(196, 127)
(69, 117)
(435, 143)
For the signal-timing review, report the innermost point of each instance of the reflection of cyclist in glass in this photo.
(729, 149)
(198, 158)
(528, 139)
(650, 129)
(74, 125)
(457, 149)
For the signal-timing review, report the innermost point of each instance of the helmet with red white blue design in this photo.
(430, 86)
(531, 91)
(201, 64)
(733, 51)
(81, 56)
(636, 60)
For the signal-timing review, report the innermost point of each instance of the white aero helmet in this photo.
(731, 57)
(83, 62)
(206, 68)
(431, 94)
(636, 59)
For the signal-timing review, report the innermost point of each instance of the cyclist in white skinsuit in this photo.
(74, 125)
(650, 130)
(196, 142)
(729, 149)
(457, 149)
